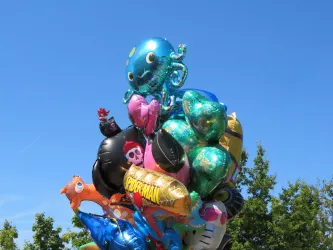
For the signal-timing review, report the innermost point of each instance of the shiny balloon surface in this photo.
(147, 65)
(207, 118)
(210, 166)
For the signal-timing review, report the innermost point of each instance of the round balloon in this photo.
(111, 165)
(182, 175)
(167, 152)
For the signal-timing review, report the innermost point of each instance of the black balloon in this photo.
(111, 165)
(109, 128)
(167, 152)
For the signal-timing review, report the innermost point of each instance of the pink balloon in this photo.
(182, 175)
(142, 114)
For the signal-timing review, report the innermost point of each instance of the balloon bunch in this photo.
(168, 180)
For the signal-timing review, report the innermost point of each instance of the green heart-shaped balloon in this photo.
(210, 165)
(207, 118)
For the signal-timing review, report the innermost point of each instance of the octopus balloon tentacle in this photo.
(153, 67)
(128, 95)
(183, 68)
(182, 49)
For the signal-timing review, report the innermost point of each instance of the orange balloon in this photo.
(77, 191)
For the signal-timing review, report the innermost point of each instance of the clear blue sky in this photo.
(270, 61)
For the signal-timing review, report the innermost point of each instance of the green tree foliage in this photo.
(295, 214)
(8, 234)
(326, 213)
(79, 238)
(300, 217)
(45, 237)
(251, 229)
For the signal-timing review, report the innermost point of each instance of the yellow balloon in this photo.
(232, 141)
(157, 190)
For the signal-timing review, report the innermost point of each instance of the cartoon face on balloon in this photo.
(152, 64)
(134, 153)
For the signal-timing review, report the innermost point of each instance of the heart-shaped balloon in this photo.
(207, 118)
(210, 165)
(182, 132)
(142, 114)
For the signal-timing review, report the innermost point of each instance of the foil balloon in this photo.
(208, 119)
(182, 132)
(77, 191)
(212, 97)
(164, 237)
(156, 189)
(142, 114)
(111, 165)
(108, 127)
(153, 69)
(89, 246)
(167, 152)
(134, 153)
(193, 221)
(232, 141)
(210, 165)
(183, 175)
(215, 215)
(232, 199)
(112, 234)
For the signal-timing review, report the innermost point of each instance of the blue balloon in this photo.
(154, 65)
(170, 238)
(147, 65)
(207, 94)
(177, 111)
(112, 234)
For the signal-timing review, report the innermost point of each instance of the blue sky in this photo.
(270, 61)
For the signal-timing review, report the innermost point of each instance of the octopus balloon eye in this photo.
(130, 76)
(79, 187)
(150, 57)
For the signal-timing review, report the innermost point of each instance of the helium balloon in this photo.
(232, 141)
(151, 64)
(149, 162)
(208, 119)
(112, 234)
(233, 201)
(142, 114)
(117, 206)
(167, 152)
(89, 246)
(182, 132)
(157, 190)
(205, 93)
(110, 167)
(210, 165)
(216, 217)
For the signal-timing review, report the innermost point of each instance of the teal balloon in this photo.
(182, 132)
(210, 165)
(207, 118)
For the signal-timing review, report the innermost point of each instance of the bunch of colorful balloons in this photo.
(168, 180)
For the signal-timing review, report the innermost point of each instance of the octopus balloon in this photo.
(152, 69)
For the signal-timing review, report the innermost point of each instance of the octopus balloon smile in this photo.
(153, 69)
